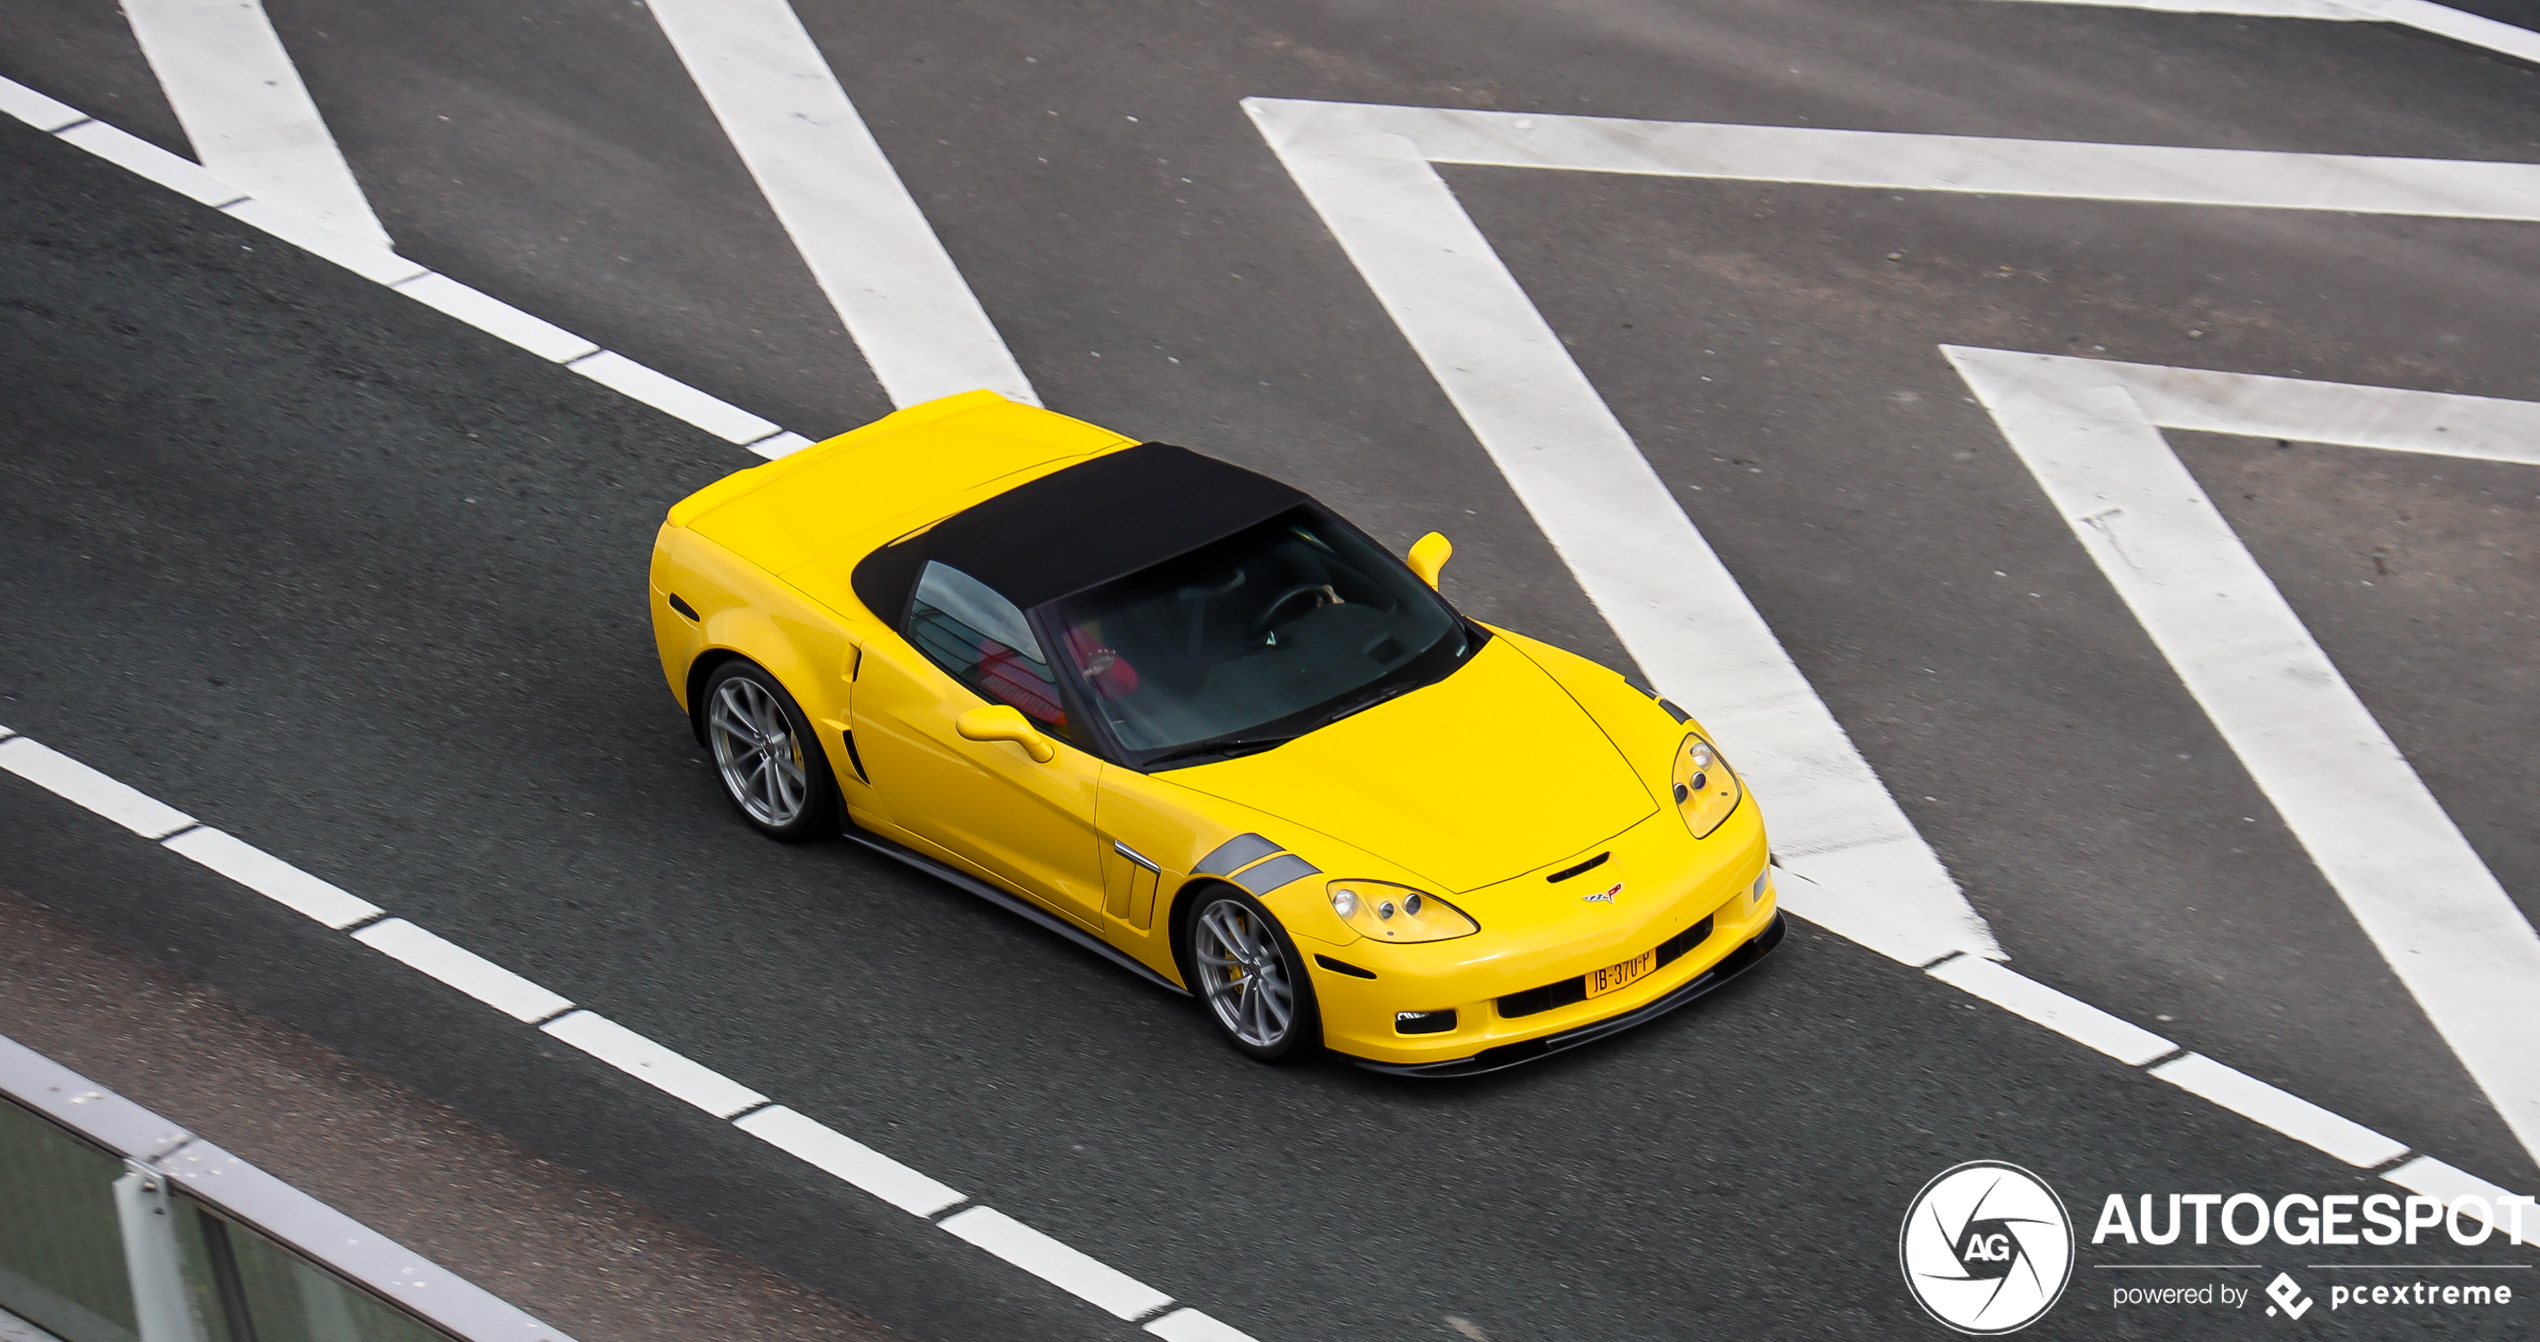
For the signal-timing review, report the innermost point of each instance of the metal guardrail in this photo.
(117, 1225)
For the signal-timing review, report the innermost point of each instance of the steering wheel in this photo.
(1321, 592)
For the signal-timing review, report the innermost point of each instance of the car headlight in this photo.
(1383, 912)
(1706, 788)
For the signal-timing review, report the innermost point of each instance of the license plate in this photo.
(1606, 980)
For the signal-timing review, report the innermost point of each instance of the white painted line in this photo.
(779, 445)
(2423, 15)
(368, 260)
(1189, 1325)
(844, 1157)
(37, 110)
(1053, 1262)
(2427, 901)
(147, 159)
(2447, 1185)
(864, 238)
(723, 419)
(2063, 169)
(2256, 9)
(463, 969)
(674, 1074)
(73, 781)
(2445, 21)
(2090, 431)
(234, 89)
(273, 878)
(497, 318)
(2065, 1015)
(615, 371)
(1656, 580)
(2305, 411)
(2281, 1110)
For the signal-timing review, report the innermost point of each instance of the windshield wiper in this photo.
(1370, 701)
(1228, 746)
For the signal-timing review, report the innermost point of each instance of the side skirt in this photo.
(1011, 903)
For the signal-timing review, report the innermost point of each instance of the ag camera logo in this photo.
(1986, 1248)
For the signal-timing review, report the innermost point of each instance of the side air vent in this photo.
(683, 608)
(1344, 967)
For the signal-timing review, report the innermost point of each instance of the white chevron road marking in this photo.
(864, 237)
(234, 89)
(2464, 951)
(2090, 431)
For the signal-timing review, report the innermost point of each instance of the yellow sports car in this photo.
(1184, 715)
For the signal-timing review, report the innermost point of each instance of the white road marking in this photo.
(1054, 1262)
(497, 318)
(1893, 161)
(885, 1178)
(367, 260)
(1367, 170)
(2423, 15)
(240, 99)
(1189, 1325)
(843, 1157)
(2281, 1110)
(2447, 1185)
(273, 878)
(73, 781)
(135, 154)
(673, 1073)
(1870, 876)
(2445, 21)
(865, 239)
(2066, 1015)
(49, 115)
(2090, 431)
(721, 418)
(463, 969)
(1184, 1325)
(778, 444)
(2256, 9)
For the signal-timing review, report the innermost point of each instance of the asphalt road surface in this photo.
(364, 587)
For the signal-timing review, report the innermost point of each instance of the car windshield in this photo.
(1254, 639)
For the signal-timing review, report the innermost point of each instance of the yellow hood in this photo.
(1488, 774)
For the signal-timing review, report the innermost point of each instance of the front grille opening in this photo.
(1536, 1001)
(1674, 948)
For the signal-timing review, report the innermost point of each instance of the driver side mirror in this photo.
(1004, 722)
(1428, 555)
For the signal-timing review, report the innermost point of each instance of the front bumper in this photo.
(1729, 966)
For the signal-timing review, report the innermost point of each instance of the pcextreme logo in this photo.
(1986, 1248)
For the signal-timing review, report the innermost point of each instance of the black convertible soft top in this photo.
(1080, 527)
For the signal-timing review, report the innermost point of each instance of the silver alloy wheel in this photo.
(755, 747)
(1243, 975)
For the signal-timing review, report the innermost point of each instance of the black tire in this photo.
(1247, 1018)
(766, 755)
